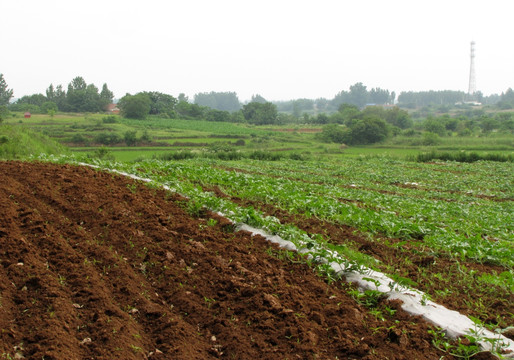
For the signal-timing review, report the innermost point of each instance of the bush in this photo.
(49, 107)
(130, 138)
(463, 157)
(228, 155)
(333, 133)
(78, 139)
(430, 138)
(103, 153)
(179, 155)
(145, 138)
(264, 155)
(107, 138)
(111, 119)
(296, 156)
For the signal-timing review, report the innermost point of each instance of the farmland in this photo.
(96, 265)
(456, 220)
(86, 133)
(443, 228)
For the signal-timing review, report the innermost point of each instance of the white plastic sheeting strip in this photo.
(414, 302)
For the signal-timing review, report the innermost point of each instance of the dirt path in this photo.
(97, 266)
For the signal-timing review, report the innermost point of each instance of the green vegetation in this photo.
(21, 143)
(5, 93)
(467, 157)
(130, 139)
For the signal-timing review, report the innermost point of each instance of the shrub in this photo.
(130, 138)
(264, 155)
(146, 138)
(107, 138)
(179, 155)
(463, 157)
(111, 119)
(430, 138)
(78, 139)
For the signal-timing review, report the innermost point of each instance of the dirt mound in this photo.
(98, 266)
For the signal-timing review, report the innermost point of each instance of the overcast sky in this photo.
(280, 49)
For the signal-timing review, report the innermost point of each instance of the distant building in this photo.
(113, 109)
(27, 115)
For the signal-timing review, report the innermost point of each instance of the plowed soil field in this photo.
(99, 266)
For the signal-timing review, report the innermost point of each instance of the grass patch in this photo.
(21, 142)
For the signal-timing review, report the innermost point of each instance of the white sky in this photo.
(280, 49)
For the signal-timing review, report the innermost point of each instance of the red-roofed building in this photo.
(113, 109)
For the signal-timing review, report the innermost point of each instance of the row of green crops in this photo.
(210, 127)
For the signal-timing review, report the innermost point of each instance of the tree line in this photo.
(225, 106)
(352, 126)
(79, 97)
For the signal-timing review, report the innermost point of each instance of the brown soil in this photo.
(98, 266)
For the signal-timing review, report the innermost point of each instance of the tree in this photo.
(425, 98)
(348, 112)
(358, 95)
(333, 133)
(260, 114)
(379, 96)
(302, 105)
(161, 104)
(434, 126)
(182, 97)
(224, 101)
(50, 93)
(106, 96)
(188, 110)
(321, 119)
(506, 100)
(258, 99)
(135, 106)
(82, 97)
(60, 97)
(368, 130)
(5, 93)
(489, 124)
(398, 117)
(218, 115)
(78, 83)
(49, 107)
(35, 99)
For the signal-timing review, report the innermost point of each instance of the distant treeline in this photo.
(412, 99)
(79, 97)
(226, 106)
